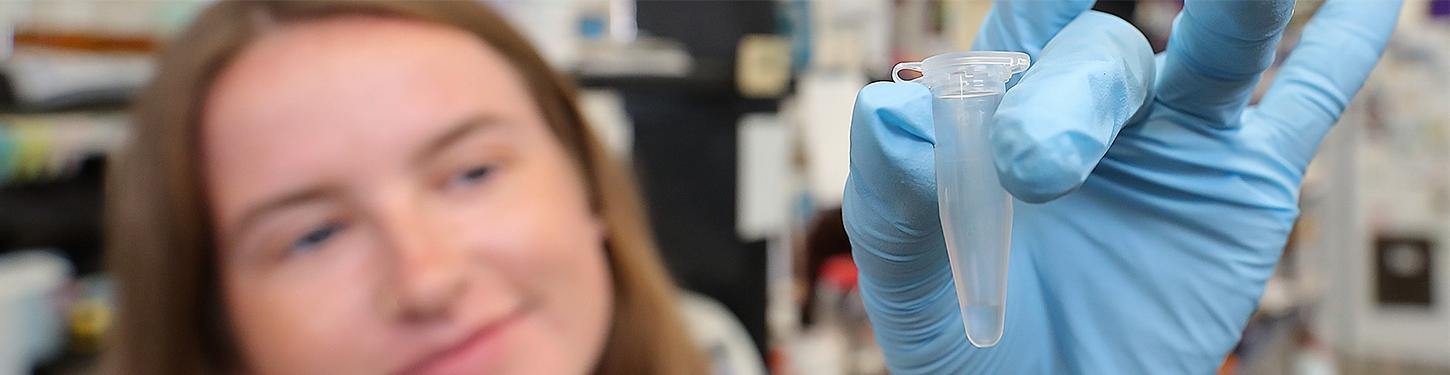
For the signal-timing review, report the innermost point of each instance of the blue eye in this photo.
(316, 238)
(472, 175)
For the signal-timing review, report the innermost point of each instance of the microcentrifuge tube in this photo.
(976, 213)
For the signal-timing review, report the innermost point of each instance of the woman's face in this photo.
(388, 198)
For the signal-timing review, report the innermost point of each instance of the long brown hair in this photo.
(170, 319)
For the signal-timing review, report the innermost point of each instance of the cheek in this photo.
(280, 320)
(541, 235)
(566, 277)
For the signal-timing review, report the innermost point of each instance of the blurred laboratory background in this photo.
(735, 116)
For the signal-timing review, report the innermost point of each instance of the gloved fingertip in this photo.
(905, 107)
(1242, 21)
(1038, 172)
(887, 94)
(891, 158)
(1042, 156)
(1053, 127)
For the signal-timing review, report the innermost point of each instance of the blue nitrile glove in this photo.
(1144, 257)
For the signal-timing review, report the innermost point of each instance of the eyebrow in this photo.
(456, 132)
(255, 214)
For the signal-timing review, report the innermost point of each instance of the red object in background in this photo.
(839, 271)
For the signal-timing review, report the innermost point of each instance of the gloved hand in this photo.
(1153, 201)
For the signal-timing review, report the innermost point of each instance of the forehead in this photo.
(319, 68)
(309, 98)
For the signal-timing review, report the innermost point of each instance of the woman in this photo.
(361, 187)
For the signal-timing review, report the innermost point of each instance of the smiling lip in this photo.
(476, 349)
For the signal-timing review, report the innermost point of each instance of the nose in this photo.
(428, 269)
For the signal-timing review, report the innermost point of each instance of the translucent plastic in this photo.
(976, 213)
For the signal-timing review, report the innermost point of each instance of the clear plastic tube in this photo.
(976, 213)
